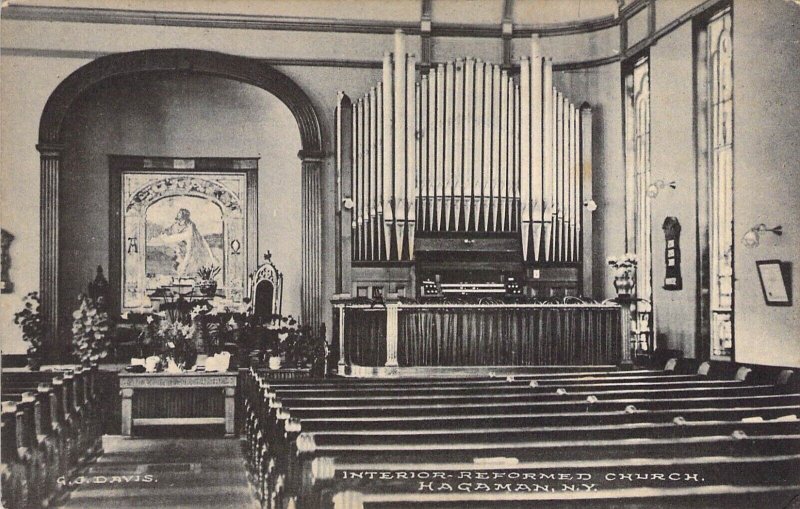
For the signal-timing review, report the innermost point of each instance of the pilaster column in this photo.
(392, 308)
(50, 164)
(342, 322)
(628, 344)
(587, 233)
(311, 258)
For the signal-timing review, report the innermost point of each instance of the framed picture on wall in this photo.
(776, 282)
(175, 218)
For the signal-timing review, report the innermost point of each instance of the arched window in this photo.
(715, 139)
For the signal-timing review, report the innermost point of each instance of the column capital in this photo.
(312, 156)
(49, 149)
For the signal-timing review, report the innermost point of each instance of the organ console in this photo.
(470, 171)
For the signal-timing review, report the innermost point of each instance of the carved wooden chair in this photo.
(266, 290)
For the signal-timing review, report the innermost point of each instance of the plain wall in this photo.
(673, 159)
(766, 173)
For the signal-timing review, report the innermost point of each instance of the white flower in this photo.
(150, 319)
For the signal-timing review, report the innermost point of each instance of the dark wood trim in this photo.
(623, 36)
(651, 18)
(425, 27)
(202, 20)
(586, 64)
(632, 9)
(296, 62)
(284, 23)
(302, 62)
(568, 28)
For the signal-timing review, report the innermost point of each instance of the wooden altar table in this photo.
(168, 399)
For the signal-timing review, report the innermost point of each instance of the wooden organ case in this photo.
(464, 173)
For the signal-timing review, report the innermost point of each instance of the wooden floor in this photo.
(164, 472)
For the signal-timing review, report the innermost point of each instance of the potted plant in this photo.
(208, 283)
(29, 319)
(624, 274)
(305, 350)
(90, 332)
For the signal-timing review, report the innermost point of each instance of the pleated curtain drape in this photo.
(493, 336)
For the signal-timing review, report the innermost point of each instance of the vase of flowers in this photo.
(175, 341)
(208, 283)
(624, 274)
(90, 332)
(29, 319)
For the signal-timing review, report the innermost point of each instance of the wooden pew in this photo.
(506, 388)
(273, 416)
(532, 395)
(57, 425)
(679, 427)
(14, 468)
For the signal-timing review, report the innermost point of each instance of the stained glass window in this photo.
(720, 165)
(638, 213)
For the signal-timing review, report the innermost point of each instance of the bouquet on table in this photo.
(172, 342)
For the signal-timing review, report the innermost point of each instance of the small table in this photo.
(172, 384)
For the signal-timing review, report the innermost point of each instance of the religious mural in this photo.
(177, 228)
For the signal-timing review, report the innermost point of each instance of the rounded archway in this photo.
(234, 67)
(245, 70)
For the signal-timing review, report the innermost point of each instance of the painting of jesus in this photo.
(184, 233)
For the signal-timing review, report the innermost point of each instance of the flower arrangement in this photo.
(208, 273)
(170, 340)
(624, 273)
(90, 332)
(208, 285)
(176, 342)
(625, 261)
(29, 319)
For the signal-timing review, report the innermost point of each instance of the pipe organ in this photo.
(462, 153)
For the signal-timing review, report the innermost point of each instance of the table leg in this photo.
(230, 392)
(127, 411)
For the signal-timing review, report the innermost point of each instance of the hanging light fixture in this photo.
(658, 185)
(752, 237)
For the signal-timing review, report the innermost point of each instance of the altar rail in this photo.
(459, 334)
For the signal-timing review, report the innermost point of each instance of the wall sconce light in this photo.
(752, 237)
(590, 205)
(658, 185)
(348, 204)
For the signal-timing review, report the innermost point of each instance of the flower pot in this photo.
(275, 362)
(207, 287)
(624, 284)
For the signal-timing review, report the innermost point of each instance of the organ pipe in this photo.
(468, 147)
